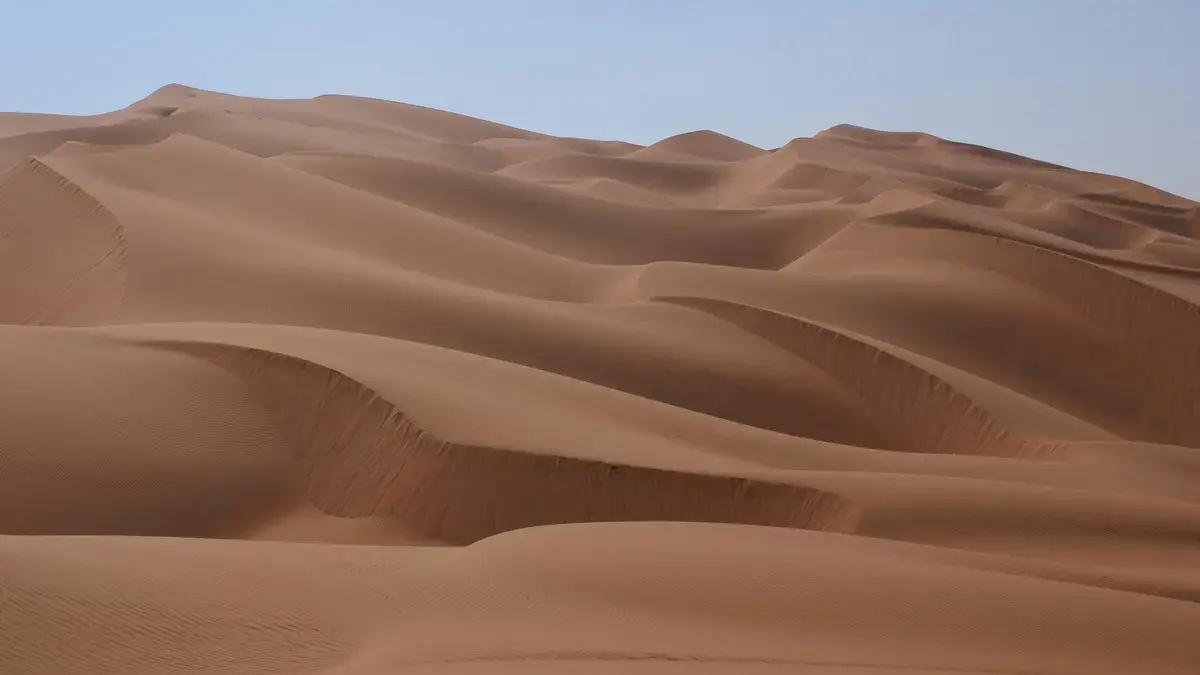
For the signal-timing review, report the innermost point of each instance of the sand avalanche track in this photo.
(352, 387)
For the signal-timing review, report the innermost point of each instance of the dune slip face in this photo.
(344, 386)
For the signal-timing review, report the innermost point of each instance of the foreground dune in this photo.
(353, 387)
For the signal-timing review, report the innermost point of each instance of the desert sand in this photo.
(354, 387)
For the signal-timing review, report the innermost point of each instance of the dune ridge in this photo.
(345, 386)
(63, 262)
(930, 414)
(1142, 321)
(363, 457)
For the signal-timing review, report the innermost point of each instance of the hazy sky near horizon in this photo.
(1099, 85)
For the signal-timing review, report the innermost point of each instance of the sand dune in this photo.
(349, 386)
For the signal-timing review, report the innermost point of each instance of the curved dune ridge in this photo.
(63, 255)
(347, 386)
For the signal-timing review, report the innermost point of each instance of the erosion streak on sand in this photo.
(346, 387)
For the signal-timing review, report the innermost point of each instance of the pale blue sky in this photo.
(1095, 84)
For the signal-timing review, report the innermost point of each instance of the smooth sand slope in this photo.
(352, 387)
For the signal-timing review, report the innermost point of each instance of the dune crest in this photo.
(345, 386)
(63, 256)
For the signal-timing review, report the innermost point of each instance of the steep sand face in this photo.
(354, 387)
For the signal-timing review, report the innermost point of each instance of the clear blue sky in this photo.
(1095, 84)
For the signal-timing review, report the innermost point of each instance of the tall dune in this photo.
(344, 386)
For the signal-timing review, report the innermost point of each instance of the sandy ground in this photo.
(352, 387)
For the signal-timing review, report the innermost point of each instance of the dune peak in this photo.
(706, 144)
(878, 137)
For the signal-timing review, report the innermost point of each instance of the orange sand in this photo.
(353, 387)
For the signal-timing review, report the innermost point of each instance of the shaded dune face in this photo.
(348, 386)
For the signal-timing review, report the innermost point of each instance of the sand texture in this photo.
(342, 386)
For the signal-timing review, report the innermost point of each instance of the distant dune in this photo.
(354, 387)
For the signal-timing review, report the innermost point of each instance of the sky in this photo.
(1097, 85)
